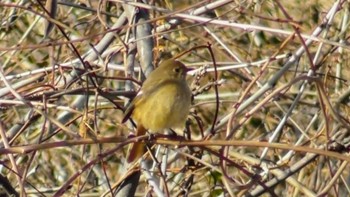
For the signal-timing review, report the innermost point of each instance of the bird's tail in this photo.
(137, 149)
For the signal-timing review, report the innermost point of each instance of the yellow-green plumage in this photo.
(163, 102)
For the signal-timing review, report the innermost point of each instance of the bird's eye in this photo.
(177, 69)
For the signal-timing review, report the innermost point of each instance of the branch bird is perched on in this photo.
(163, 102)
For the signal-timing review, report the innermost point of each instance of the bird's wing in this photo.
(147, 90)
(128, 112)
(130, 108)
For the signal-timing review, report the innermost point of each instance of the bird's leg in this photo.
(172, 133)
(151, 136)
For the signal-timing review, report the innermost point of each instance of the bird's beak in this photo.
(189, 69)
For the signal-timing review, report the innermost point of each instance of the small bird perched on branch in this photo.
(163, 102)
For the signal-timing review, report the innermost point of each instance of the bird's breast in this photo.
(167, 107)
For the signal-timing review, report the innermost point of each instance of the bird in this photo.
(163, 102)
